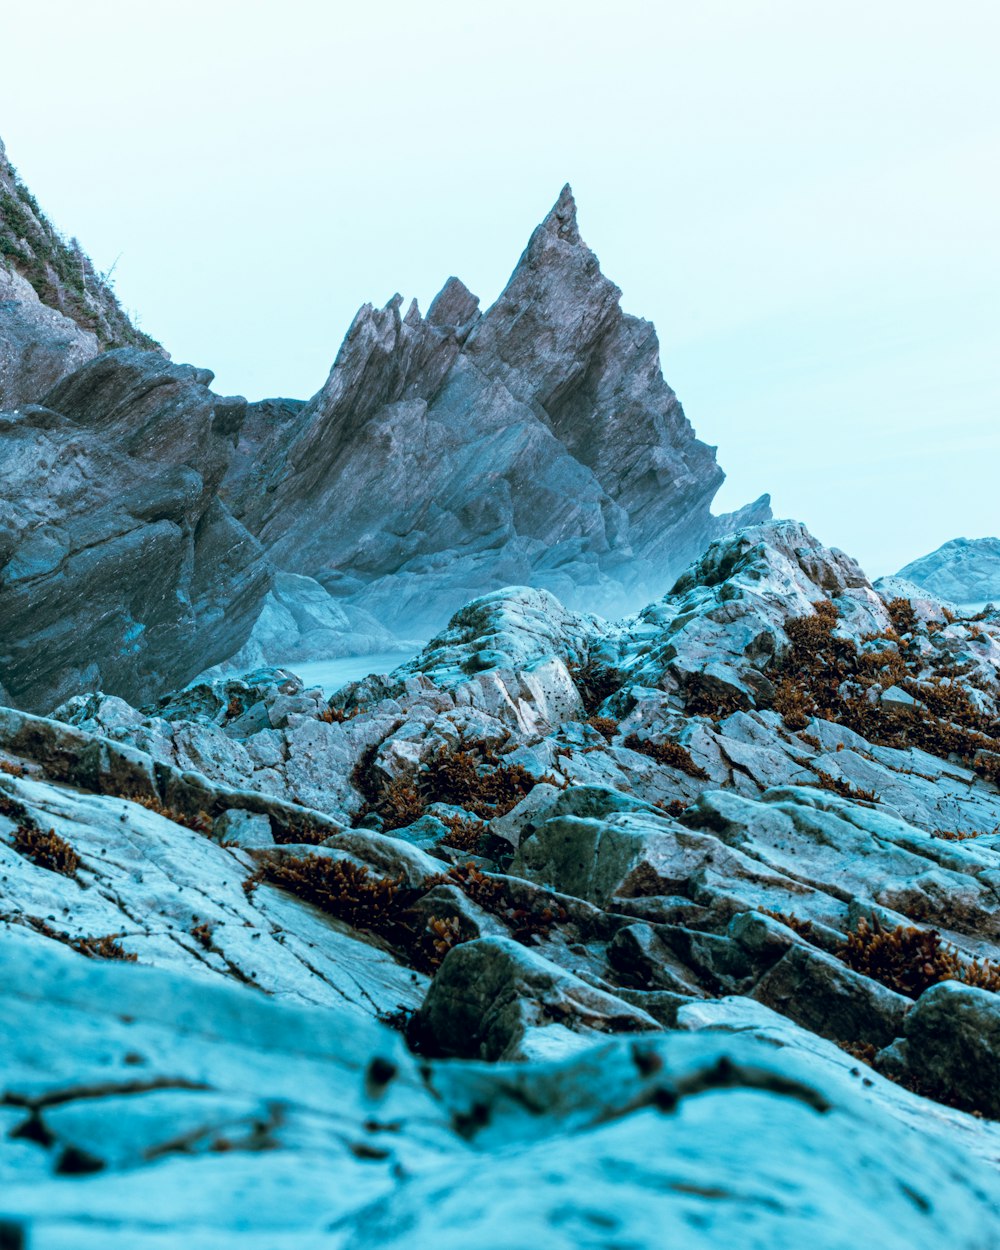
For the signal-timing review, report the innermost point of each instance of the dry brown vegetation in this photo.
(606, 726)
(595, 683)
(838, 785)
(385, 906)
(474, 778)
(820, 666)
(471, 776)
(802, 927)
(465, 835)
(201, 822)
(107, 947)
(909, 960)
(331, 715)
(672, 754)
(46, 850)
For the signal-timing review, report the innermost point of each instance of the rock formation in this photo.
(701, 912)
(151, 530)
(964, 570)
(120, 568)
(446, 455)
(677, 929)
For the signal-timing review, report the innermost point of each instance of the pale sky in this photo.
(803, 198)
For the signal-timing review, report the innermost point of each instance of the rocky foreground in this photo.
(678, 931)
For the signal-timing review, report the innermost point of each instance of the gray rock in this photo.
(964, 570)
(494, 999)
(237, 827)
(114, 548)
(818, 992)
(953, 1045)
(447, 455)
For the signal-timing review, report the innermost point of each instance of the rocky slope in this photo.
(693, 923)
(56, 312)
(964, 570)
(446, 455)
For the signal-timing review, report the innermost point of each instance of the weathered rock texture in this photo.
(450, 454)
(56, 312)
(964, 570)
(120, 569)
(752, 830)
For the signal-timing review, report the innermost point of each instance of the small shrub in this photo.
(476, 781)
(12, 769)
(490, 893)
(669, 753)
(909, 960)
(812, 634)
(46, 850)
(802, 927)
(955, 835)
(606, 726)
(400, 804)
(439, 937)
(337, 715)
(674, 808)
(200, 823)
(93, 947)
(902, 615)
(793, 704)
(595, 683)
(465, 835)
(310, 835)
(713, 699)
(103, 948)
(339, 887)
(844, 788)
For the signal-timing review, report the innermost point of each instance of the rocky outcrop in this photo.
(450, 454)
(56, 312)
(542, 840)
(964, 570)
(119, 566)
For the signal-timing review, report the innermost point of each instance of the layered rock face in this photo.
(964, 570)
(120, 569)
(446, 455)
(689, 907)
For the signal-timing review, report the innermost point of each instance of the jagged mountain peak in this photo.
(561, 218)
(455, 453)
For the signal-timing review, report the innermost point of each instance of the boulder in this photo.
(495, 999)
(952, 1045)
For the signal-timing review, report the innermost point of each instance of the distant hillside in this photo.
(58, 270)
(56, 311)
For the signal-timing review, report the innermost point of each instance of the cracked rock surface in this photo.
(565, 932)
